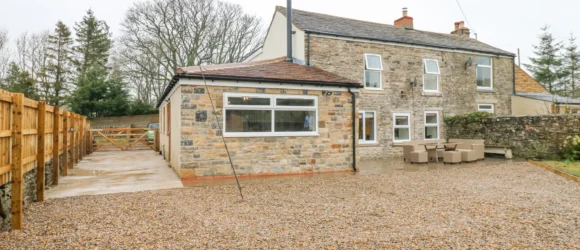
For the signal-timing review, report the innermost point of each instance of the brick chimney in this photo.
(405, 22)
(460, 29)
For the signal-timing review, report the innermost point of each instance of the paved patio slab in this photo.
(116, 172)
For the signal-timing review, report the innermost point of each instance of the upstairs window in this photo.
(373, 71)
(485, 108)
(431, 125)
(484, 72)
(401, 127)
(430, 75)
(270, 115)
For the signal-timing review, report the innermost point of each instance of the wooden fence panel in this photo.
(31, 134)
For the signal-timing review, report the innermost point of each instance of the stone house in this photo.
(278, 117)
(412, 79)
(532, 98)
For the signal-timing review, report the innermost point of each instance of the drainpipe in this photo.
(308, 50)
(289, 30)
(353, 129)
(514, 76)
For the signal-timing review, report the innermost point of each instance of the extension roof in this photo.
(549, 98)
(351, 28)
(276, 70)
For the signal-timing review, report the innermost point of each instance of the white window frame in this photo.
(438, 74)
(380, 70)
(479, 109)
(431, 125)
(490, 66)
(363, 112)
(408, 115)
(272, 107)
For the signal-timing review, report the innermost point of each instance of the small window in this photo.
(367, 126)
(485, 108)
(373, 71)
(401, 127)
(484, 72)
(431, 125)
(431, 75)
(269, 115)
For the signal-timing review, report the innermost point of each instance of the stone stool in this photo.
(468, 156)
(419, 157)
(452, 157)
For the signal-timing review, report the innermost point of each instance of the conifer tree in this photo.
(546, 66)
(93, 42)
(571, 67)
(59, 68)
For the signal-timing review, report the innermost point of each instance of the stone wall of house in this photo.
(401, 66)
(203, 153)
(530, 136)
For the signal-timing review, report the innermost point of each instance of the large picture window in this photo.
(401, 127)
(484, 72)
(270, 115)
(373, 70)
(367, 127)
(430, 75)
(431, 125)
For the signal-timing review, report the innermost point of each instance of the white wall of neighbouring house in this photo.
(528, 106)
(275, 41)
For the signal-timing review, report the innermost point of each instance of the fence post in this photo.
(55, 145)
(17, 172)
(81, 137)
(40, 156)
(65, 129)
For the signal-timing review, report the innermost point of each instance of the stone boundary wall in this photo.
(134, 121)
(530, 136)
(29, 192)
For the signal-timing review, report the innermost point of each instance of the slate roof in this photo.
(340, 26)
(274, 70)
(549, 97)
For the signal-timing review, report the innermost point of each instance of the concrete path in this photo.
(116, 172)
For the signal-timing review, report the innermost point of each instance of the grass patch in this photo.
(572, 168)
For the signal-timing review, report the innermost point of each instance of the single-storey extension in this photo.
(278, 117)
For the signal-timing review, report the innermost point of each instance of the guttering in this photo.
(353, 129)
(409, 43)
(176, 78)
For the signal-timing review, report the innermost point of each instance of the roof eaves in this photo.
(408, 43)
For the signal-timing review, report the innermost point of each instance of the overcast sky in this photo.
(507, 24)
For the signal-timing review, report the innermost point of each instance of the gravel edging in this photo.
(513, 205)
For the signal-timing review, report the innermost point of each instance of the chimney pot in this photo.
(404, 22)
(460, 29)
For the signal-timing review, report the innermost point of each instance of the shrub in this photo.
(449, 120)
(571, 148)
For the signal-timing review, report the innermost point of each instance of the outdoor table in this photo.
(433, 150)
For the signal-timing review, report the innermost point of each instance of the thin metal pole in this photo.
(222, 132)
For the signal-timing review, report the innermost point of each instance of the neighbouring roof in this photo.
(340, 26)
(549, 98)
(276, 70)
(526, 83)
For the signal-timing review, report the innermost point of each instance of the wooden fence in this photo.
(31, 134)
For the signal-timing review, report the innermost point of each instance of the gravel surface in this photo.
(502, 206)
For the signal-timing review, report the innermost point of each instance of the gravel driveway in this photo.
(501, 206)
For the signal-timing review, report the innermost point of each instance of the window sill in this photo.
(242, 135)
(372, 89)
(434, 94)
(486, 90)
(368, 144)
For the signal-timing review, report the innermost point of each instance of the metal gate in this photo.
(124, 139)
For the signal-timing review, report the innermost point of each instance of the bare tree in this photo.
(4, 55)
(32, 56)
(160, 35)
